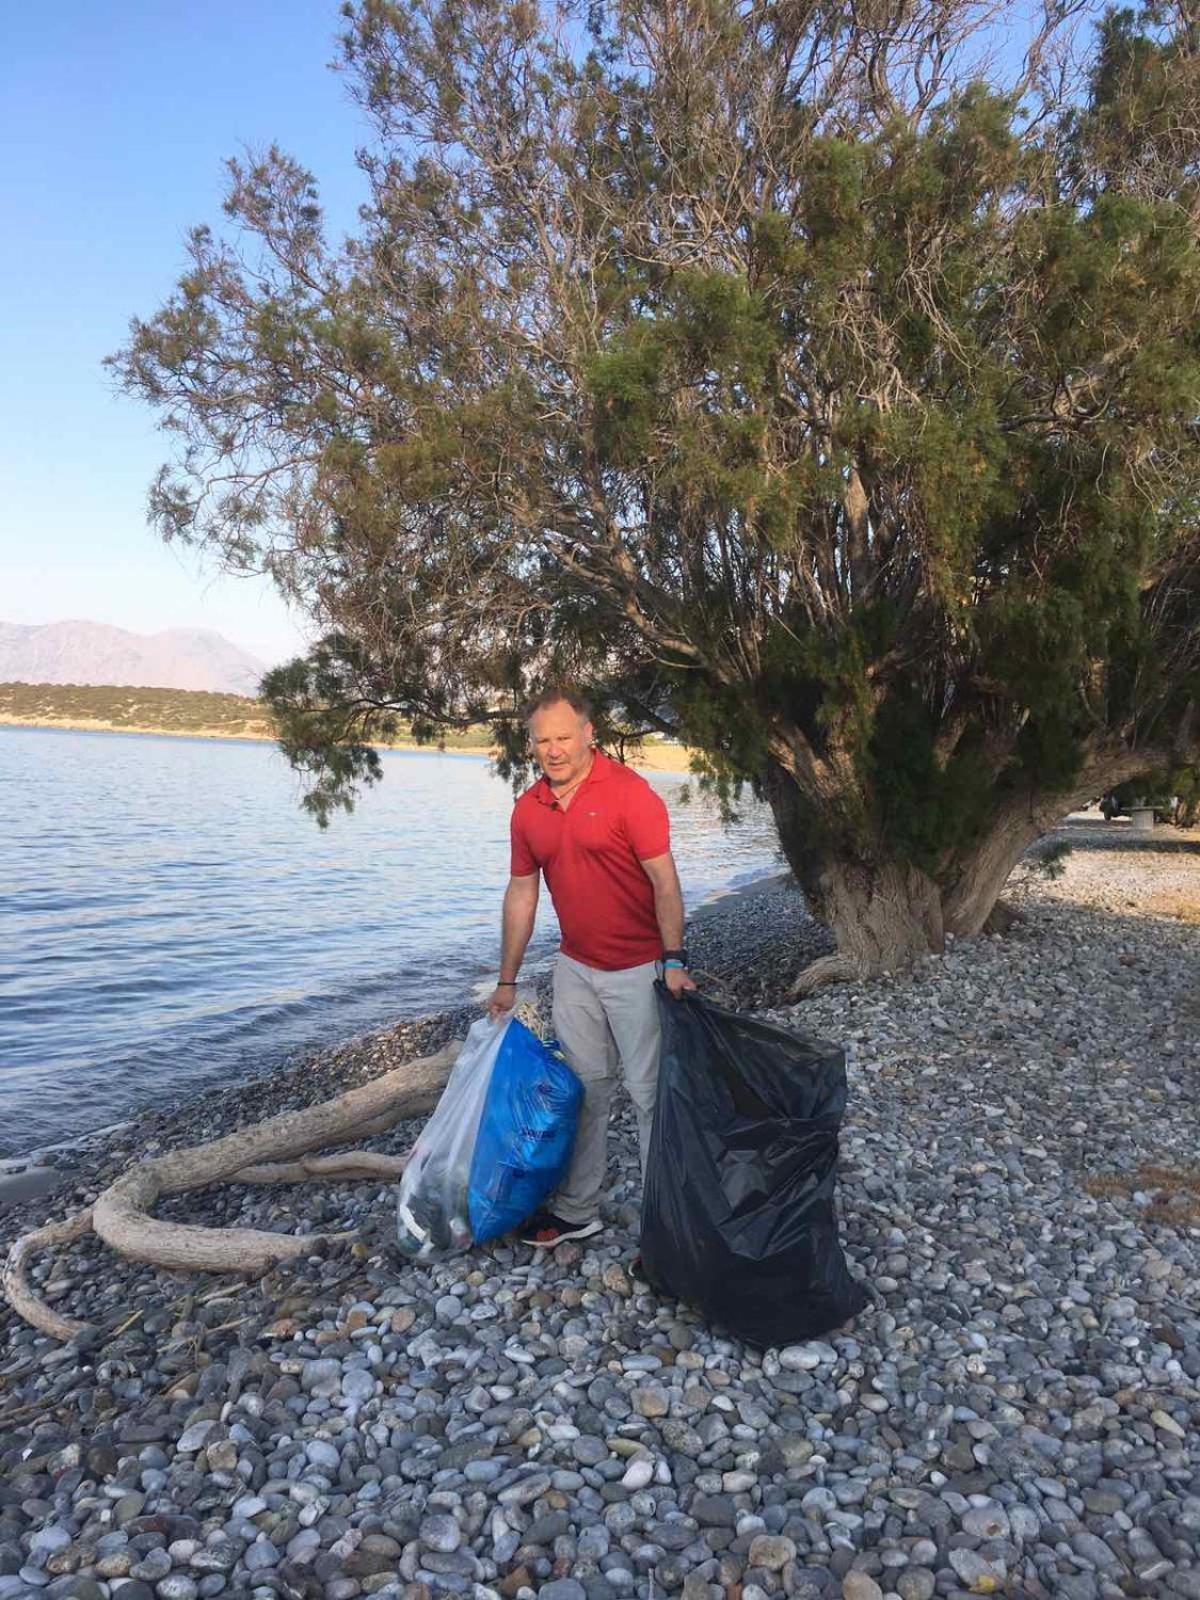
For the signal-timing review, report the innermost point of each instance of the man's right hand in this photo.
(504, 998)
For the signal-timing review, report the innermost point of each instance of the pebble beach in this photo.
(1016, 1411)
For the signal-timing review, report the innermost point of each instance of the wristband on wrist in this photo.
(506, 983)
(675, 958)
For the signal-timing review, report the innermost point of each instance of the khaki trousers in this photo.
(601, 1018)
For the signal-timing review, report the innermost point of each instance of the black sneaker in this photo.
(544, 1230)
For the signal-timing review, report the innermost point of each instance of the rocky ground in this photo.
(1017, 1410)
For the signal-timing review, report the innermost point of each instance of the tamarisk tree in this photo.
(819, 384)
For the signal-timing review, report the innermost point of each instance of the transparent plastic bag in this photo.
(432, 1209)
(496, 1145)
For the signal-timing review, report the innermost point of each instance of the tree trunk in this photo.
(883, 912)
(971, 897)
(979, 876)
(884, 915)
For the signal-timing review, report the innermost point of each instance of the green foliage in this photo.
(1184, 784)
(324, 733)
(624, 387)
(930, 808)
(1051, 862)
(851, 440)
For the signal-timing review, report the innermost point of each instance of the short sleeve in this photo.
(523, 864)
(646, 822)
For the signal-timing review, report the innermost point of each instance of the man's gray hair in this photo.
(556, 695)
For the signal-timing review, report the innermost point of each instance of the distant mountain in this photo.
(93, 653)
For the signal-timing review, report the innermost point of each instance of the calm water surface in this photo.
(170, 919)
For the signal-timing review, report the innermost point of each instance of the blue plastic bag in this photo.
(525, 1136)
(496, 1146)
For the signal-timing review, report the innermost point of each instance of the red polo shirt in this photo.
(591, 855)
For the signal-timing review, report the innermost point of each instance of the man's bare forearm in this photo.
(668, 909)
(516, 930)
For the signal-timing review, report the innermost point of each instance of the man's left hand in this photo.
(677, 979)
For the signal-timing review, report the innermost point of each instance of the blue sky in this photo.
(115, 119)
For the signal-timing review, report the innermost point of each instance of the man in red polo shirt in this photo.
(602, 838)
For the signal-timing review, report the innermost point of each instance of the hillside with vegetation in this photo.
(176, 711)
(194, 711)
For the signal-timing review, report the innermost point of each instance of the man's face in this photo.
(561, 740)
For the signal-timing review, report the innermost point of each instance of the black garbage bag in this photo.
(738, 1216)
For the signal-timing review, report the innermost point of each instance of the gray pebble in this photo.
(562, 1589)
(177, 1587)
(441, 1533)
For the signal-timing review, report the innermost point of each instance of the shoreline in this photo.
(664, 758)
(95, 725)
(43, 1171)
(36, 1173)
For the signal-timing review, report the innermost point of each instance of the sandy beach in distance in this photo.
(651, 757)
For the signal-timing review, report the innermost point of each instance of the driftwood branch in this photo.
(275, 1151)
(352, 1164)
(15, 1283)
